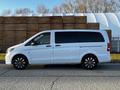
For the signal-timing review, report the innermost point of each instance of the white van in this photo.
(88, 47)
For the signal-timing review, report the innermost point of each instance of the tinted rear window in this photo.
(76, 37)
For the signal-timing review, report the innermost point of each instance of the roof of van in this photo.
(64, 30)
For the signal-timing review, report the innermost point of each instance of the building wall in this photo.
(14, 30)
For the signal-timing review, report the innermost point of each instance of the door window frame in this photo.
(30, 41)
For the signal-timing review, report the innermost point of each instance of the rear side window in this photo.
(76, 37)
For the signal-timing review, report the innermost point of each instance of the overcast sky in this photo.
(14, 4)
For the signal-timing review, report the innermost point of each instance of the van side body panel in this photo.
(62, 53)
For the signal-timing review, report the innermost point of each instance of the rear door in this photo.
(66, 50)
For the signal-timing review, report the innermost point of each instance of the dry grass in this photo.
(2, 56)
(113, 56)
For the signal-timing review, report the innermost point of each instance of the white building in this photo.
(106, 20)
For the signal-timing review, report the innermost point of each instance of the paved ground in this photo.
(60, 77)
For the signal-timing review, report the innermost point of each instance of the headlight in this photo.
(10, 49)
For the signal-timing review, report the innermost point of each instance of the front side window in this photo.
(41, 39)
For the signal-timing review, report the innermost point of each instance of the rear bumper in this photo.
(104, 58)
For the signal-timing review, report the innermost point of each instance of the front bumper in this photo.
(8, 58)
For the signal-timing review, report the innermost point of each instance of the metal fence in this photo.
(115, 44)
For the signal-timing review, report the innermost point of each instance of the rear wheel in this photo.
(89, 62)
(20, 62)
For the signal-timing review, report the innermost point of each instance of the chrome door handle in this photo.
(48, 45)
(57, 45)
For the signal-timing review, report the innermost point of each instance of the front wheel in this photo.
(20, 62)
(89, 62)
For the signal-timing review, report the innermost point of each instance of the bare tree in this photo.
(56, 9)
(68, 6)
(85, 6)
(110, 6)
(41, 9)
(23, 11)
(72, 6)
(6, 12)
(81, 6)
(102, 6)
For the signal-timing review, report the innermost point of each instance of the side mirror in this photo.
(32, 44)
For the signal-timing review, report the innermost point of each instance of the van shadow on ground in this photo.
(103, 66)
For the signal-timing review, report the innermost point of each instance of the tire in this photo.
(20, 62)
(89, 62)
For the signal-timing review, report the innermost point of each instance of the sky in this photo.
(14, 4)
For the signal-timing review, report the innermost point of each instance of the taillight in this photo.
(108, 46)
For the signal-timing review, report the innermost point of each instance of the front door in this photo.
(39, 49)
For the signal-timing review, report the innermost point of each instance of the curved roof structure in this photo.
(100, 17)
(90, 17)
(106, 20)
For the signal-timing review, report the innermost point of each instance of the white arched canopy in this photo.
(106, 20)
(101, 18)
(112, 19)
(118, 16)
(90, 17)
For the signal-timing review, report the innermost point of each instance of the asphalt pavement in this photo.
(60, 77)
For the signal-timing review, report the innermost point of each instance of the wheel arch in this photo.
(20, 55)
(89, 54)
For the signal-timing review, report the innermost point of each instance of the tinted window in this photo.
(75, 37)
(40, 39)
